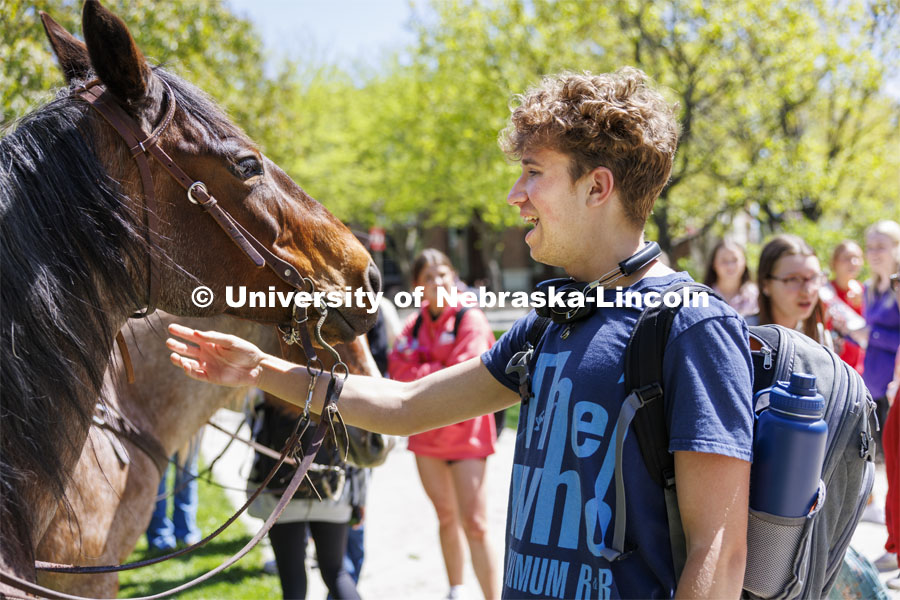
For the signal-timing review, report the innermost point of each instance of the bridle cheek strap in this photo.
(140, 146)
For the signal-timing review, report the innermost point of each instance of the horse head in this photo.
(88, 228)
(188, 248)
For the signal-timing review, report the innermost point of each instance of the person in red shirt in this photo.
(891, 440)
(452, 459)
(846, 265)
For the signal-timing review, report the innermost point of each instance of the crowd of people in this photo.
(860, 321)
(595, 152)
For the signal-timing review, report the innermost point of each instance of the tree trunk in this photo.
(489, 245)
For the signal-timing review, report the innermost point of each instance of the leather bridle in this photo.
(140, 145)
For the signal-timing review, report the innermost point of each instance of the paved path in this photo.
(403, 556)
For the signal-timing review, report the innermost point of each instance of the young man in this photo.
(595, 152)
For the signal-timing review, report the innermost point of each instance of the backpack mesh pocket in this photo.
(778, 550)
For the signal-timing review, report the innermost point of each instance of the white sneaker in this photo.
(894, 583)
(886, 562)
(457, 592)
(873, 514)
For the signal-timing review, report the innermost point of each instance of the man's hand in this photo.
(215, 357)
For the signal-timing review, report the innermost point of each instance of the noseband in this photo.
(143, 146)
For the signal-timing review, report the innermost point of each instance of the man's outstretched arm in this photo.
(713, 492)
(449, 396)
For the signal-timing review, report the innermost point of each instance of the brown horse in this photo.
(112, 500)
(82, 246)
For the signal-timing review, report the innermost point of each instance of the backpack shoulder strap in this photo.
(418, 324)
(521, 362)
(459, 315)
(644, 387)
(414, 334)
(536, 331)
(644, 376)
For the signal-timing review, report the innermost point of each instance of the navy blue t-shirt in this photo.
(562, 495)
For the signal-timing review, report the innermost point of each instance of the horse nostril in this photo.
(373, 277)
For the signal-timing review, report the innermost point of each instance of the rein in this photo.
(335, 386)
(334, 389)
(111, 421)
(140, 144)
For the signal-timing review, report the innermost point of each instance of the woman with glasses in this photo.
(790, 277)
(451, 460)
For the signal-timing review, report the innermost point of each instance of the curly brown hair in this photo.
(616, 120)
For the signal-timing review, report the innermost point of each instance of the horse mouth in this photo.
(343, 328)
(348, 328)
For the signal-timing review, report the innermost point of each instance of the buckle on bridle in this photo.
(196, 185)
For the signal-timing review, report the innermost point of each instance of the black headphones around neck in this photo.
(566, 287)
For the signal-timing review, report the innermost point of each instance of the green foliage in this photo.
(783, 105)
(28, 69)
(200, 40)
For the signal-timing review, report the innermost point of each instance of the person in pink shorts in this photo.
(452, 459)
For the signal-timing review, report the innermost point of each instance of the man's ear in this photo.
(115, 57)
(71, 53)
(602, 185)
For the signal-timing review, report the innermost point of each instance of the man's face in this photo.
(547, 197)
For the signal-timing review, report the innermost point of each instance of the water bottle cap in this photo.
(802, 384)
(798, 396)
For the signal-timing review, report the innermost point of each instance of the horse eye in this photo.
(248, 167)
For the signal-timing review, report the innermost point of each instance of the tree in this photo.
(781, 104)
(200, 40)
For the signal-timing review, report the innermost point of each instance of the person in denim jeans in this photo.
(163, 533)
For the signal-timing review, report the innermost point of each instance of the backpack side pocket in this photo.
(778, 552)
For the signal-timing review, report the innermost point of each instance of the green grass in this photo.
(512, 417)
(243, 580)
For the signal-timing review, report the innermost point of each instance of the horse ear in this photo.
(115, 57)
(71, 53)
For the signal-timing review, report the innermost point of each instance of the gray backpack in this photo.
(786, 557)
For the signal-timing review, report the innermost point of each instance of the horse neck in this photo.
(72, 250)
(66, 434)
(164, 403)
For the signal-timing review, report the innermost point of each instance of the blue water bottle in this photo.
(789, 448)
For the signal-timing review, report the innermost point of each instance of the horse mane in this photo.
(69, 241)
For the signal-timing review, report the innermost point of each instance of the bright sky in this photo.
(349, 32)
(346, 31)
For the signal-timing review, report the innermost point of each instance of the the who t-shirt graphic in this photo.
(562, 494)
